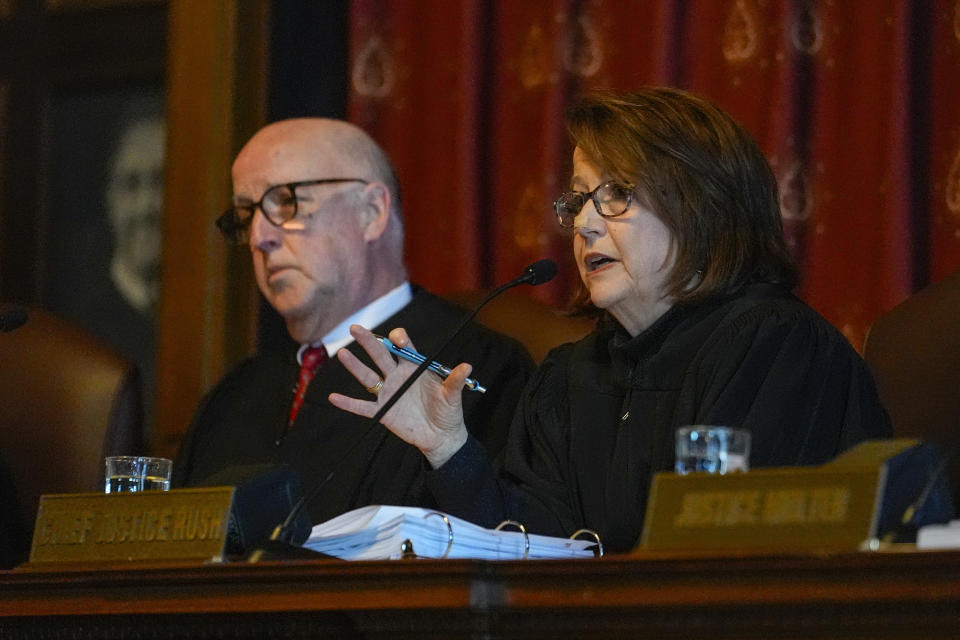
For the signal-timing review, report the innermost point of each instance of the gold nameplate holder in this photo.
(835, 506)
(183, 524)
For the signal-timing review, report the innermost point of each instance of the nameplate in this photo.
(183, 524)
(835, 506)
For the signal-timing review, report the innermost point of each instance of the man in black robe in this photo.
(317, 202)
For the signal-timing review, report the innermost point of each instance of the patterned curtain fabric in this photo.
(856, 104)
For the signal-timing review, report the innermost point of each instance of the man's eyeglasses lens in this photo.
(279, 205)
(610, 199)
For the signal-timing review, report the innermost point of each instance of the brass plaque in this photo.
(182, 524)
(834, 506)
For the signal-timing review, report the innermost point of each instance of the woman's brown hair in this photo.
(702, 174)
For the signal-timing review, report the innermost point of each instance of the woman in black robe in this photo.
(678, 239)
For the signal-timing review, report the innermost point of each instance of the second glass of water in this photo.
(156, 474)
(126, 474)
(711, 449)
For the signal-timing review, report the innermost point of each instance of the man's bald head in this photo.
(332, 147)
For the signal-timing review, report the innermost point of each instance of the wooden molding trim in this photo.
(216, 81)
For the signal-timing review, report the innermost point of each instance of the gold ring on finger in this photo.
(375, 389)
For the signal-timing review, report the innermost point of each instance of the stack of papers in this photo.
(381, 532)
(939, 536)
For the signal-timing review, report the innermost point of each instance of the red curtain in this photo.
(855, 103)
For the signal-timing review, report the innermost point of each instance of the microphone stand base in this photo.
(274, 550)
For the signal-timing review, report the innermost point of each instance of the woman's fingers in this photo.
(429, 416)
(363, 408)
(385, 362)
(400, 338)
(377, 352)
(453, 385)
(353, 364)
(454, 382)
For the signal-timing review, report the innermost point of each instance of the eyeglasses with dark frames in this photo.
(611, 199)
(278, 204)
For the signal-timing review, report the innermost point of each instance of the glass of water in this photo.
(156, 473)
(709, 449)
(125, 474)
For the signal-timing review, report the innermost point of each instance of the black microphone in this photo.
(537, 273)
(12, 316)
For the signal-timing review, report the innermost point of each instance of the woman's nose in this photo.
(588, 221)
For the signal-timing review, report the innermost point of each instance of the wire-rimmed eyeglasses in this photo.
(611, 199)
(278, 204)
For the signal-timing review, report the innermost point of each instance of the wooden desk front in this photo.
(859, 595)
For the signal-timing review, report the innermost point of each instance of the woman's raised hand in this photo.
(429, 415)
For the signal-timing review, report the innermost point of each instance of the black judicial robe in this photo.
(599, 416)
(242, 420)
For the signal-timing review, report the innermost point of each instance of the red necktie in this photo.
(311, 360)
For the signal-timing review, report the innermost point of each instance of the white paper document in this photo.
(939, 536)
(380, 532)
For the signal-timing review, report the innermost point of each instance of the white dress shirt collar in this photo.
(369, 316)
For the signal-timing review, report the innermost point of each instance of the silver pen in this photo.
(436, 367)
